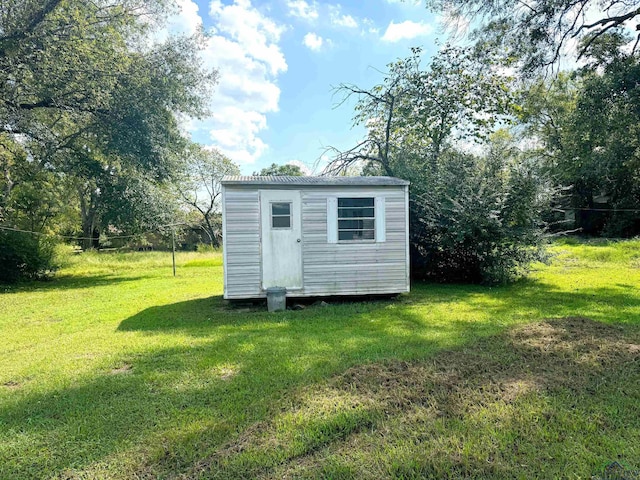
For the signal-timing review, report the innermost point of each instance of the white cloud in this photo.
(406, 31)
(302, 9)
(346, 21)
(188, 21)
(313, 42)
(244, 47)
(339, 19)
(369, 26)
(257, 34)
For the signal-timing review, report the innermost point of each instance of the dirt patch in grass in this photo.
(11, 385)
(227, 373)
(535, 400)
(124, 369)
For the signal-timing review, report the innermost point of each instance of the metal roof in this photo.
(304, 181)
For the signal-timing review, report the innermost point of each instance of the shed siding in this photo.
(242, 243)
(358, 268)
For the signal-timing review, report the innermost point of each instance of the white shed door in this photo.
(281, 239)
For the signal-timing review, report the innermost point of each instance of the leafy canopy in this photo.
(94, 101)
(424, 110)
(588, 126)
(534, 33)
(286, 169)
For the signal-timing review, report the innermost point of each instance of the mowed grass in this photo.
(116, 369)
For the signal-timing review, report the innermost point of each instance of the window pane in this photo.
(355, 202)
(356, 219)
(355, 224)
(355, 212)
(280, 209)
(356, 235)
(281, 222)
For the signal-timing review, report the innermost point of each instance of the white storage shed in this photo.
(315, 236)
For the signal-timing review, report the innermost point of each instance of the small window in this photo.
(280, 215)
(356, 219)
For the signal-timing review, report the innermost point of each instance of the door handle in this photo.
(298, 240)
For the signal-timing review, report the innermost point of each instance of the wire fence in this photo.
(105, 238)
(102, 236)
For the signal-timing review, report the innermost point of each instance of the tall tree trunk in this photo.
(8, 185)
(211, 232)
(88, 214)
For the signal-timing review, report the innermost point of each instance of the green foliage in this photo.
(417, 113)
(588, 126)
(94, 100)
(136, 204)
(286, 169)
(24, 256)
(605, 141)
(477, 219)
(474, 218)
(32, 197)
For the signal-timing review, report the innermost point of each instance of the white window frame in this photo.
(380, 221)
(271, 215)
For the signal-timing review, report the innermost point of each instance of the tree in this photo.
(424, 111)
(29, 198)
(587, 124)
(474, 217)
(92, 99)
(535, 32)
(477, 218)
(200, 188)
(275, 169)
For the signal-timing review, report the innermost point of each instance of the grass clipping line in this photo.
(406, 411)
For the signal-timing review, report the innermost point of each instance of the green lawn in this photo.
(115, 369)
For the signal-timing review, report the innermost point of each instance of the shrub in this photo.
(24, 256)
(477, 219)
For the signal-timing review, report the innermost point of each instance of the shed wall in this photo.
(359, 268)
(241, 224)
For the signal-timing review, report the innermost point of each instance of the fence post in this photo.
(173, 249)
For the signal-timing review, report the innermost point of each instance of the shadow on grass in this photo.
(198, 317)
(176, 403)
(68, 282)
(168, 409)
(526, 299)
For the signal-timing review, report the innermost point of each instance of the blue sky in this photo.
(278, 61)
